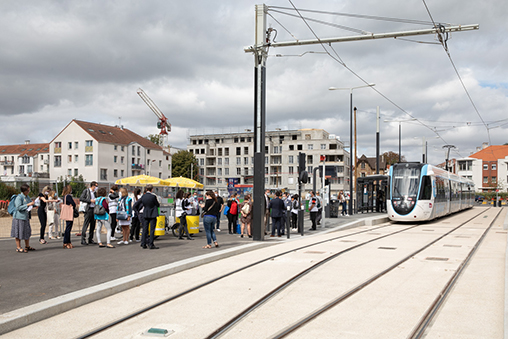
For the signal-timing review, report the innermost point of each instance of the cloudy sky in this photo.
(62, 60)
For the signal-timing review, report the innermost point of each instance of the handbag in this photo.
(99, 209)
(67, 212)
(83, 206)
(122, 215)
(204, 212)
(75, 212)
(226, 209)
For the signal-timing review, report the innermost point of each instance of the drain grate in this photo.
(452, 245)
(386, 248)
(315, 252)
(436, 259)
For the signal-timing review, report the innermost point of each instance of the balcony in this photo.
(87, 149)
(137, 166)
(7, 163)
(58, 149)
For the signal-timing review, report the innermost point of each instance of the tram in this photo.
(425, 192)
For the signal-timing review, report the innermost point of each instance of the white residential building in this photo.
(105, 153)
(26, 160)
(224, 158)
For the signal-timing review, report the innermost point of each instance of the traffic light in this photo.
(303, 176)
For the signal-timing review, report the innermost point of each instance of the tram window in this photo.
(426, 189)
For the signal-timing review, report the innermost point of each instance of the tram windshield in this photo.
(405, 183)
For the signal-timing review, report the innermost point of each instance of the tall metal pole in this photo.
(377, 140)
(399, 142)
(350, 207)
(260, 55)
(356, 155)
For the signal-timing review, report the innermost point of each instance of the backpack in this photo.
(233, 208)
(295, 204)
(11, 208)
(99, 209)
(318, 203)
(246, 208)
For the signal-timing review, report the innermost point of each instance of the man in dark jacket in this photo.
(277, 206)
(88, 197)
(150, 213)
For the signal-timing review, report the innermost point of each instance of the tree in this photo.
(182, 165)
(77, 183)
(392, 158)
(156, 139)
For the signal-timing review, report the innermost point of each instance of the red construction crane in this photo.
(163, 122)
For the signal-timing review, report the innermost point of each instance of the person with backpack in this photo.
(136, 222)
(233, 213)
(124, 215)
(246, 218)
(295, 206)
(43, 200)
(181, 213)
(19, 206)
(101, 216)
(313, 209)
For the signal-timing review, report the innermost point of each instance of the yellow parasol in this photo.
(143, 180)
(184, 182)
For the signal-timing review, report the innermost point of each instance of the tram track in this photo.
(305, 320)
(151, 307)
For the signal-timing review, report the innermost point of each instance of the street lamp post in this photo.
(400, 121)
(350, 212)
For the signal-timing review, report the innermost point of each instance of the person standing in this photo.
(246, 212)
(88, 197)
(295, 206)
(181, 214)
(113, 205)
(43, 199)
(267, 211)
(136, 222)
(342, 201)
(220, 201)
(51, 207)
(233, 213)
(313, 209)
(285, 212)
(150, 213)
(277, 207)
(68, 200)
(210, 210)
(103, 219)
(320, 209)
(124, 215)
(21, 229)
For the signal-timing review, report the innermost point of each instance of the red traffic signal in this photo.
(322, 157)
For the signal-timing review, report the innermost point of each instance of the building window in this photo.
(133, 150)
(363, 165)
(323, 146)
(246, 160)
(226, 161)
(290, 159)
(115, 173)
(309, 169)
(485, 167)
(290, 169)
(494, 180)
(219, 161)
(485, 180)
(122, 148)
(275, 149)
(246, 150)
(299, 147)
(69, 146)
(122, 173)
(309, 159)
(147, 151)
(310, 146)
(226, 151)
(139, 151)
(219, 171)
(89, 146)
(202, 151)
(121, 160)
(160, 163)
(238, 151)
(291, 147)
(219, 152)
(76, 144)
(246, 171)
(69, 158)
(115, 148)
(238, 171)
(235, 140)
(104, 174)
(75, 172)
(58, 161)
(58, 147)
(115, 158)
(494, 167)
(76, 158)
(69, 172)
(226, 171)
(88, 160)
(266, 170)
(201, 162)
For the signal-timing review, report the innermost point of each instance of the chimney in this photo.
(485, 145)
(27, 142)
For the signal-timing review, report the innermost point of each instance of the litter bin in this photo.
(334, 208)
(192, 225)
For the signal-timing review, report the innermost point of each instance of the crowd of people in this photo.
(119, 213)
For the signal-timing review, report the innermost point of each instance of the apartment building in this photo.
(488, 168)
(26, 160)
(229, 158)
(105, 153)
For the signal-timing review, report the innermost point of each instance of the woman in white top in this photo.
(181, 211)
(53, 221)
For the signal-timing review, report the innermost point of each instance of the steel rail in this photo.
(420, 329)
(288, 330)
(206, 283)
